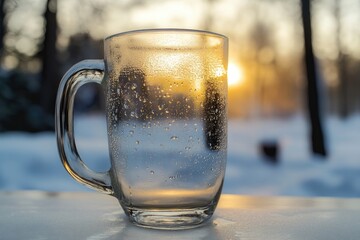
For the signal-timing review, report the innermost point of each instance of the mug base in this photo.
(170, 219)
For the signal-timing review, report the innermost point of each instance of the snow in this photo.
(31, 161)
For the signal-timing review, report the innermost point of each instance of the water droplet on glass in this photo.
(137, 142)
(174, 138)
(187, 148)
(133, 86)
(131, 132)
(152, 172)
(161, 107)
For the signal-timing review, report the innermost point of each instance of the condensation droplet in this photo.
(152, 172)
(160, 107)
(131, 132)
(137, 142)
(133, 114)
(174, 137)
(133, 86)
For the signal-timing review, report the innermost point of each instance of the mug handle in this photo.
(87, 71)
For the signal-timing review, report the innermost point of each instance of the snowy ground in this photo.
(30, 161)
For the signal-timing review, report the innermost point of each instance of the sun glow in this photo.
(235, 75)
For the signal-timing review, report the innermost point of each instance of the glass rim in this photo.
(168, 30)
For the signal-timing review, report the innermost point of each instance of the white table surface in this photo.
(93, 216)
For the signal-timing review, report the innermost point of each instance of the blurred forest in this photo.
(41, 39)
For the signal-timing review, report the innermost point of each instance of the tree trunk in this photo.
(317, 135)
(50, 76)
(2, 26)
(341, 65)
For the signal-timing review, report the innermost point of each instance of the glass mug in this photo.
(166, 111)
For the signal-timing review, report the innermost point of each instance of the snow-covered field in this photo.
(30, 161)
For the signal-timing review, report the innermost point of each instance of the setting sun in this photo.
(235, 75)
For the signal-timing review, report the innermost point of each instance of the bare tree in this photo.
(2, 26)
(317, 135)
(50, 76)
(341, 66)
